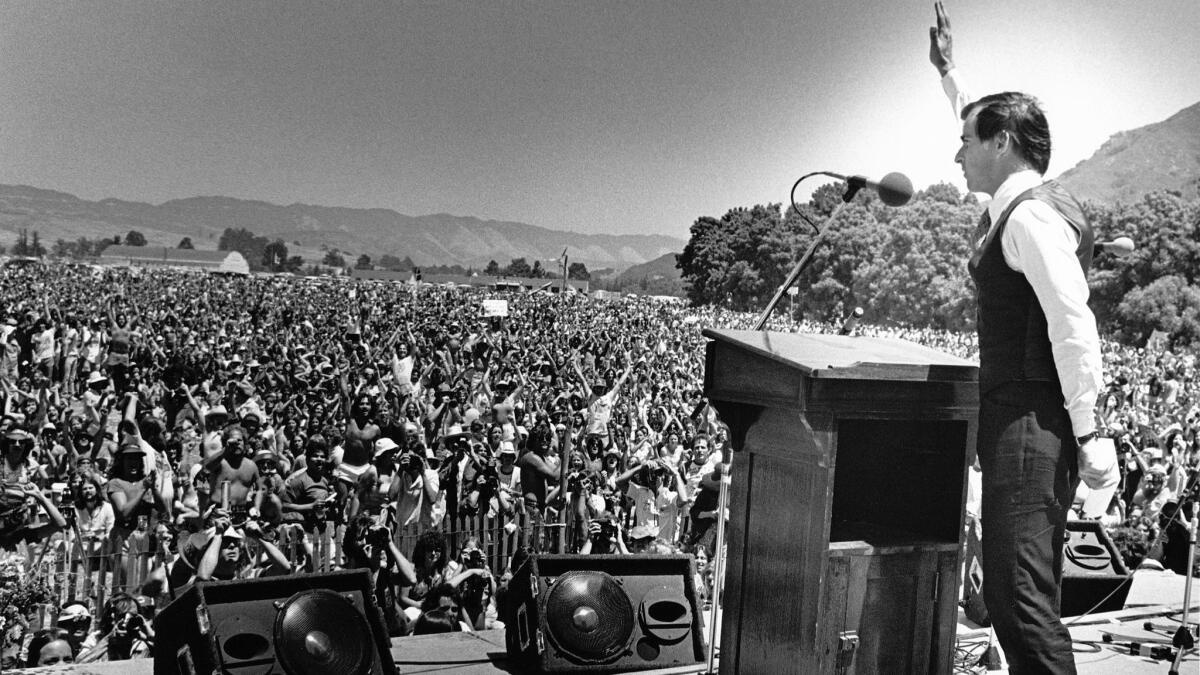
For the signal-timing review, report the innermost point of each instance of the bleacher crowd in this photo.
(164, 427)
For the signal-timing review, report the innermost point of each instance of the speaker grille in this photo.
(319, 632)
(589, 616)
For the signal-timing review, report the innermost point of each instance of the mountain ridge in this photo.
(308, 229)
(1163, 155)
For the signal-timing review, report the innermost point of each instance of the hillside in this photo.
(1161, 156)
(656, 277)
(306, 229)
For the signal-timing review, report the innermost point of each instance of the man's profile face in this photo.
(976, 158)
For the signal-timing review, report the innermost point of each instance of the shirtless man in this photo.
(232, 466)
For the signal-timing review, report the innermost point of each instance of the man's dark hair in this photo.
(435, 621)
(1022, 117)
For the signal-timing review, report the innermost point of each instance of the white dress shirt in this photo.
(1040, 243)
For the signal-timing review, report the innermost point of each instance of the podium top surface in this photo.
(846, 357)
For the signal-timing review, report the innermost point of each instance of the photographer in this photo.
(19, 519)
(604, 537)
(226, 555)
(372, 547)
(123, 633)
(658, 493)
(476, 589)
(415, 491)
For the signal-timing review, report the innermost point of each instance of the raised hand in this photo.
(941, 42)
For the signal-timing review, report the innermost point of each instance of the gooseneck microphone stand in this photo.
(851, 190)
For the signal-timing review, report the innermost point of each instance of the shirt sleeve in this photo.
(954, 84)
(1039, 243)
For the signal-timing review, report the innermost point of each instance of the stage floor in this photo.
(1154, 596)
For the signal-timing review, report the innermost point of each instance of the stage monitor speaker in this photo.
(604, 613)
(1094, 576)
(298, 624)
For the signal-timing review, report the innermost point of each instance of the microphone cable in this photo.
(796, 207)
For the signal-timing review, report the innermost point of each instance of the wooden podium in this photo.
(846, 503)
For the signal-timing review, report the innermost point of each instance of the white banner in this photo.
(495, 308)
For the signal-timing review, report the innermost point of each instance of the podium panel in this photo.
(846, 509)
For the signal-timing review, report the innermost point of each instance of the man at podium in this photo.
(1039, 363)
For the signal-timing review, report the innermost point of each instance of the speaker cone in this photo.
(589, 616)
(321, 632)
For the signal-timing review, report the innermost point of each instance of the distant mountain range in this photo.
(1160, 156)
(439, 239)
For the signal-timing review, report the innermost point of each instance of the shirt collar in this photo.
(1012, 186)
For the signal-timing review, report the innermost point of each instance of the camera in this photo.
(608, 530)
(378, 536)
(129, 623)
(408, 462)
(577, 481)
(475, 560)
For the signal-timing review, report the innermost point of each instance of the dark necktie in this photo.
(981, 230)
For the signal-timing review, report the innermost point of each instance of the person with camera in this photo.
(476, 589)
(604, 537)
(415, 490)
(657, 493)
(369, 546)
(20, 520)
(123, 632)
(227, 556)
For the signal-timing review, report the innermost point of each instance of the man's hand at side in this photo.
(1098, 467)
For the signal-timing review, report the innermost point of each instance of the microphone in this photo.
(895, 189)
(851, 321)
(1119, 247)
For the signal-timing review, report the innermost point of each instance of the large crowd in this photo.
(164, 427)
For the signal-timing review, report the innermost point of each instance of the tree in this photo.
(333, 259)
(390, 262)
(519, 268)
(578, 270)
(293, 264)
(275, 255)
(1168, 304)
(363, 262)
(492, 269)
(537, 272)
(245, 242)
(186, 242)
(135, 238)
(36, 249)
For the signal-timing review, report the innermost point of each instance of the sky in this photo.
(595, 117)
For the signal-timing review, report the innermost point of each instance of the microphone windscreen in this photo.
(1122, 246)
(895, 189)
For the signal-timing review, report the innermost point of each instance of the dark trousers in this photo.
(1030, 470)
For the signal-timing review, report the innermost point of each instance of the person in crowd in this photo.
(50, 647)
(370, 546)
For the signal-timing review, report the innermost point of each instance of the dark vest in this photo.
(1013, 337)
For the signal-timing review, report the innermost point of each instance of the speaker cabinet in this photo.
(604, 613)
(1094, 577)
(297, 624)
